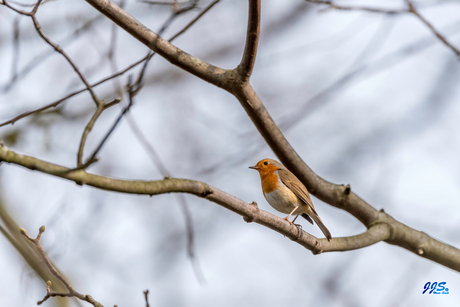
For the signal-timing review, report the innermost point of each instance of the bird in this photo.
(285, 193)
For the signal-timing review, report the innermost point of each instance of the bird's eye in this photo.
(266, 163)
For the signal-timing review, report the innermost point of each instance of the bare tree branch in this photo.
(100, 108)
(252, 39)
(72, 292)
(332, 5)
(410, 10)
(55, 46)
(146, 295)
(115, 75)
(58, 102)
(414, 11)
(37, 60)
(28, 252)
(204, 11)
(133, 90)
(382, 228)
(176, 56)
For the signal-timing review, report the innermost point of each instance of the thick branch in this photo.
(338, 195)
(252, 40)
(328, 192)
(176, 56)
(384, 227)
(250, 212)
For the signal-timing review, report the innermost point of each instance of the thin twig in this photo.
(410, 10)
(414, 11)
(137, 86)
(146, 295)
(134, 88)
(204, 11)
(74, 66)
(111, 55)
(147, 57)
(16, 41)
(58, 102)
(332, 5)
(100, 108)
(37, 60)
(55, 46)
(72, 292)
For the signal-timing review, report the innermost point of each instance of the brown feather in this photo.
(294, 184)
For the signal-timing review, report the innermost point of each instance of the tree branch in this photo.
(252, 40)
(383, 227)
(176, 56)
(72, 292)
(415, 12)
(410, 10)
(100, 108)
(332, 5)
(115, 75)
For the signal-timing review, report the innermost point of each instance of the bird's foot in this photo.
(298, 226)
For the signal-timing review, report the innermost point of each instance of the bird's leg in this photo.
(287, 217)
(295, 219)
(297, 225)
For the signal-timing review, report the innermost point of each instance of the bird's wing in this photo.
(294, 184)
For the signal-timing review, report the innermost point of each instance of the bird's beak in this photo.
(254, 167)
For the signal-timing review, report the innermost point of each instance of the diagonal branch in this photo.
(115, 75)
(54, 45)
(176, 56)
(332, 5)
(410, 10)
(382, 228)
(100, 108)
(252, 39)
(414, 11)
(72, 292)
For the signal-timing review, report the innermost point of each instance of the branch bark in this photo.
(176, 56)
(252, 39)
(383, 228)
(250, 212)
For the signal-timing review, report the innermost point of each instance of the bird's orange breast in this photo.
(269, 181)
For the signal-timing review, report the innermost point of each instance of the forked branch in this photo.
(49, 293)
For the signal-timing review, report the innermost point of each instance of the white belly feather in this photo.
(284, 200)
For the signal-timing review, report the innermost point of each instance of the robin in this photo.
(284, 192)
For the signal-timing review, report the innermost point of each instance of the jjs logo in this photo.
(436, 288)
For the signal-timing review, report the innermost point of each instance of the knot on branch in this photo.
(317, 249)
(343, 192)
(207, 191)
(250, 219)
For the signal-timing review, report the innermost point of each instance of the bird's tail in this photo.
(305, 216)
(321, 226)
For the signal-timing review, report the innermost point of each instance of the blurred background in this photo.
(366, 99)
